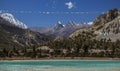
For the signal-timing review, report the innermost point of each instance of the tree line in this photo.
(80, 46)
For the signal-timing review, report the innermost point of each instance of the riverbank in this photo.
(61, 58)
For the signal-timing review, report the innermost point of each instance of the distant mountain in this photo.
(13, 21)
(60, 30)
(19, 35)
(58, 26)
(105, 26)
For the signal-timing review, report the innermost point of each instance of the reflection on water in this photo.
(60, 66)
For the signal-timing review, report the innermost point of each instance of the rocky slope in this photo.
(16, 36)
(106, 26)
(106, 17)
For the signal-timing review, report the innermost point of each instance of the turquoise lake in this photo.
(60, 65)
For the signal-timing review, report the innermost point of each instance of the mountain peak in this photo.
(14, 22)
(71, 24)
(58, 25)
(59, 22)
(106, 17)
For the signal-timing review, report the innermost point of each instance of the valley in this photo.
(73, 40)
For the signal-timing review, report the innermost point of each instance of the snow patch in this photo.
(10, 18)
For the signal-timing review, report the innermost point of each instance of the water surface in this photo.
(60, 65)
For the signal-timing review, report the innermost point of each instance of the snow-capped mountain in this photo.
(15, 36)
(71, 24)
(58, 26)
(13, 21)
(60, 30)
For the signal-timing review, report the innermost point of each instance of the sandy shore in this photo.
(61, 58)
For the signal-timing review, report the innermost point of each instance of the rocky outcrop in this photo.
(106, 17)
(106, 26)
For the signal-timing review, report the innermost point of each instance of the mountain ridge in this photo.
(19, 36)
(105, 26)
(13, 21)
(60, 30)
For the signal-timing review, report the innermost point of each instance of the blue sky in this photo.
(46, 13)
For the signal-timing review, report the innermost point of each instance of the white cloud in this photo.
(70, 5)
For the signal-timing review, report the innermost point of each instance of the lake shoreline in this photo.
(60, 58)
